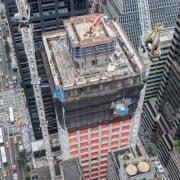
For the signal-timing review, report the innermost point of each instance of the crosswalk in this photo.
(11, 98)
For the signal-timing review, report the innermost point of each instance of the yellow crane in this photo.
(152, 40)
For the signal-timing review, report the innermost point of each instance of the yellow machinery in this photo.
(152, 40)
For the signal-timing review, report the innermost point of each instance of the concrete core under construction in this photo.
(95, 77)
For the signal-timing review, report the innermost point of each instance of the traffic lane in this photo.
(14, 152)
(8, 156)
(19, 169)
(1, 164)
(1, 77)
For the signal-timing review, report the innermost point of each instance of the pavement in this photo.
(11, 95)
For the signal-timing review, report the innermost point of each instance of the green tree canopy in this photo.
(7, 47)
(151, 150)
(177, 145)
(22, 157)
(27, 177)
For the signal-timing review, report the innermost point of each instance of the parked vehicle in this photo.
(1, 136)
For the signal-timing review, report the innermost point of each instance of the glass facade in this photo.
(163, 11)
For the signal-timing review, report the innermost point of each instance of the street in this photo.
(11, 95)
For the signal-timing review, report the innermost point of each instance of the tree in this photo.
(22, 157)
(176, 144)
(7, 47)
(27, 177)
(27, 168)
(1, 14)
(151, 150)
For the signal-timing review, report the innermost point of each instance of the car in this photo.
(6, 84)
(15, 140)
(7, 144)
(4, 174)
(5, 130)
(21, 147)
(14, 168)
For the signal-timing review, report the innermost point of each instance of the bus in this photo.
(11, 115)
(3, 155)
(1, 136)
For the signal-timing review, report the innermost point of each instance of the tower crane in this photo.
(144, 16)
(26, 30)
(145, 22)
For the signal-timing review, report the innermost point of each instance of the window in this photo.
(94, 135)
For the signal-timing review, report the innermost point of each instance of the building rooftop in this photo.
(81, 32)
(166, 34)
(71, 169)
(132, 163)
(120, 63)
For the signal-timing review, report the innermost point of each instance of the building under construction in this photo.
(95, 77)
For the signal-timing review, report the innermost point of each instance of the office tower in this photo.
(163, 11)
(45, 15)
(133, 163)
(161, 118)
(95, 75)
(156, 58)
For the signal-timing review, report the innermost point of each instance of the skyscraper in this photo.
(163, 11)
(95, 77)
(161, 117)
(157, 60)
(45, 15)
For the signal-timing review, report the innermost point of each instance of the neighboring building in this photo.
(127, 12)
(131, 163)
(157, 61)
(71, 170)
(46, 15)
(161, 118)
(95, 75)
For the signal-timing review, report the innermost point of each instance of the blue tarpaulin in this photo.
(59, 93)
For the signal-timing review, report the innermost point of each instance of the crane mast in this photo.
(144, 16)
(26, 30)
(145, 22)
